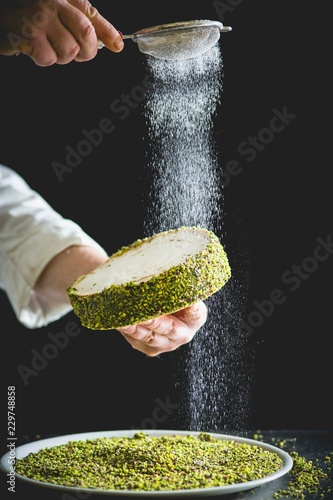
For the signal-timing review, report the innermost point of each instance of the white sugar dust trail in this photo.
(180, 105)
(183, 169)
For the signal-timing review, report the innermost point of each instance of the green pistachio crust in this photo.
(200, 276)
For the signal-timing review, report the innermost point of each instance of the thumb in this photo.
(105, 31)
(194, 315)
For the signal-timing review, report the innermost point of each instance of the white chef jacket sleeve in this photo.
(31, 234)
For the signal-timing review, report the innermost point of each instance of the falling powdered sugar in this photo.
(181, 102)
(213, 376)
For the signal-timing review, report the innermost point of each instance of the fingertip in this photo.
(193, 313)
(197, 312)
(114, 44)
(130, 329)
(197, 307)
(119, 43)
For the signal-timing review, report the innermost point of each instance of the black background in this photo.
(276, 57)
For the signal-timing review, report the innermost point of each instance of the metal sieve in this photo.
(180, 40)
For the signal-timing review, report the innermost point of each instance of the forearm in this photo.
(62, 270)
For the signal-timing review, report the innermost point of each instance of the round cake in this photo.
(154, 276)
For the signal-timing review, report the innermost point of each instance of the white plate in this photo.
(34, 447)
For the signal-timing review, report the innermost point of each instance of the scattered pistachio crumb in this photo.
(306, 478)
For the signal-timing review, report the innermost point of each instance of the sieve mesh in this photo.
(183, 43)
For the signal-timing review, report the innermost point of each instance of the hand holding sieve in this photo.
(180, 40)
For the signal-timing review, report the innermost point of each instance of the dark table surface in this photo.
(314, 445)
